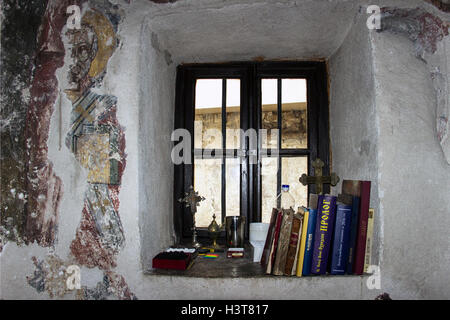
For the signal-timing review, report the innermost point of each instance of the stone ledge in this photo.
(223, 267)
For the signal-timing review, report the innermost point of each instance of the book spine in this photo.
(324, 229)
(294, 266)
(293, 244)
(368, 257)
(270, 232)
(312, 218)
(283, 243)
(274, 244)
(353, 234)
(339, 255)
(302, 246)
(358, 266)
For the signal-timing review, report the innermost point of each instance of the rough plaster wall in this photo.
(156, 123)
(353, 119)
(214, 31)
(405, 160)
(439, 67)
(414, 177)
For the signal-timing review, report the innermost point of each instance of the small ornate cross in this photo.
(318, 179)
(192, 199)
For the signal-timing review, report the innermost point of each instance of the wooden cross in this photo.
(318, 179)
(192, 199)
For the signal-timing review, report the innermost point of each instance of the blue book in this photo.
(326, 213)
(310, 231)
(339, 253)
(353, 234)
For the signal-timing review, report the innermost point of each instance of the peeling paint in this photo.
(98, 142)
(19, 32)
(429, 34)
(50, 276)
(420, 26)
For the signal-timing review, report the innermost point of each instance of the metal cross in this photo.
(318, 179)
(192, 199)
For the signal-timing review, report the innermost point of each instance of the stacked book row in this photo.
(333, 235)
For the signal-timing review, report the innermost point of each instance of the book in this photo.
(360, 189)
(326, 211)
(172, 260)
(294, 265)
(368, 255)
(353, 234)
(294, 241)
(269, 238)
(283, 242)
(358, 266)
(310, 232)
(235, 253)
(301, 248)
(339, 252)
(274, 242)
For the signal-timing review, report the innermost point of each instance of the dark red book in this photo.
(274, 244)
(269, 238)
(362, 188)
(171, 260)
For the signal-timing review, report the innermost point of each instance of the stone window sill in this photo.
(224, 267)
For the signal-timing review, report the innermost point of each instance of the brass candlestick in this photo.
(214, 232)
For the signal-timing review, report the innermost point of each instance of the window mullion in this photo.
(224, 145)
(279, 100)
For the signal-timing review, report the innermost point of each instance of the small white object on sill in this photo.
(257, 249)
(258, 235)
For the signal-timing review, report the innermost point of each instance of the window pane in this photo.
(269, 179)
(208, 114)
(233, 186)
(294, 114)
(233, 105)
(208, 183)
(269, 117)
(291, 170)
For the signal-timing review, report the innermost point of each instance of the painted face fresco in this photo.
(84, 50)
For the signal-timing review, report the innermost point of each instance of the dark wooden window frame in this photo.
(250, 73)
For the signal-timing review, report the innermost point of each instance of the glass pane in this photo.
(208, 114)
(291, 169)
(269, 170)
(269, 117)
(208, 183)
(233, 110)
(233, 186)
(294, 114)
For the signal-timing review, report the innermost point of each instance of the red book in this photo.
(171, 260)
(358, 266)
(274, 245)
(269, 238)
